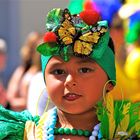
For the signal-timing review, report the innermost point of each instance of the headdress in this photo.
(80, 35)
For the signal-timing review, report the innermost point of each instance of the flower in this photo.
(50, 37)
(90, 17)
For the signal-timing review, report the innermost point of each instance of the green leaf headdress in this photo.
(80, 35)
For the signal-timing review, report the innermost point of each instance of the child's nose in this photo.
(70, 81)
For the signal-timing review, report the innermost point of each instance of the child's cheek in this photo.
(54, 87)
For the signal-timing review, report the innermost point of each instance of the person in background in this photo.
(38, 96)
(3, 59)
(19, 82)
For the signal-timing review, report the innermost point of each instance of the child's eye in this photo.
(85, 70)
(58, 72)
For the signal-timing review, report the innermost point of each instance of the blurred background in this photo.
(22, 25)
(17, 19)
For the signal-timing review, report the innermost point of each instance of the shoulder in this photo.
(19, 70)
(17, 74)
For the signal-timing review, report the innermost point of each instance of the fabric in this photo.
(29, 130)
(12, 124)
(122, 116)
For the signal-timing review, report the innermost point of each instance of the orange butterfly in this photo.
(66, 31)
(83, 44)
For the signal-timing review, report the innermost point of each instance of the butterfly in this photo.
(66, 31)
(82, 42)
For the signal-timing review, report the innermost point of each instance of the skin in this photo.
(3, 98)
(82, 77)
(3, 59)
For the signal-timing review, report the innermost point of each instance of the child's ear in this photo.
(109, 87)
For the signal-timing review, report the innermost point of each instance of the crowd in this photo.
(17, 96)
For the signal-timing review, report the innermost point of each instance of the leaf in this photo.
(137, 126)
(131, 131)
(123, 124)
(48, 49)
(135, 129)
(110, 109)
(124, 121)
(118, 112)
(126, 117)
(100, 110)
(103, 118)
(105, 125)
(53, 19)
(134, 114)
(126, 108)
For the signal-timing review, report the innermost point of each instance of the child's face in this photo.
(74, 86)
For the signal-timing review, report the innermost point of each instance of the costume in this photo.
(73, 35)
(120, 121)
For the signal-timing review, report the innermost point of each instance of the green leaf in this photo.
(134, 114)
(100, 110)
(105, 125)
(102, 115)
(53, 19)
(48, 49)
(119, 111)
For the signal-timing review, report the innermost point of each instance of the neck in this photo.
(85, 121)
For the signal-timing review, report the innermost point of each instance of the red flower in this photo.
(50, 37)
(90, 17)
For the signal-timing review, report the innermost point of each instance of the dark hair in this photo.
(111, 45)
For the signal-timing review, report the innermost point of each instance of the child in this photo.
(79, 67)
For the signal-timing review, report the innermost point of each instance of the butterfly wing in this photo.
(84, 45)
(90, 37)
(83, 48)
(103, 30)
(66, 30)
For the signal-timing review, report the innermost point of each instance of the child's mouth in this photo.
(71, 96)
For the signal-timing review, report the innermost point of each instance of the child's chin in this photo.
(74, 110)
